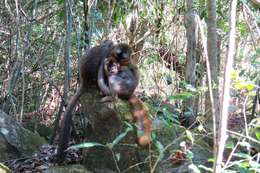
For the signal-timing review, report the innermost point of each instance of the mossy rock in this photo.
(108, 123)
(30, 141)
(21, 141)
(67, 169)
(43, 130)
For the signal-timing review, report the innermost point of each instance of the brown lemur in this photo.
(122, 79)
(119, 77)
(89, 66)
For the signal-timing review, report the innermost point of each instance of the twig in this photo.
(115, 160)
(133, 166)
(230, 155)
(241, 135)
(244, 115)
(249, 27)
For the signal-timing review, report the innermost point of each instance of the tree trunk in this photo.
(222, 130)
(192, 56)
(86, 26)
(67, 49)
(213, 54)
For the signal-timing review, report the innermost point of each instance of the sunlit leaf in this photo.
(191, 88)
(244, 164)
(257, 134)
(201, 128)
(190, 155)
(86, 145)
(234, 75)
(118, 156)
(205, 168)
(122, 135)
(239, 85)
(211, 160)
(160, 148)
(242, 155)
(245, 144)
(230, 144)
(250, 86)
(189, 136)
(181, 96)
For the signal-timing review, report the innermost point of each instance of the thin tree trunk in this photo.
(86, 26)
(212, 47)
(192, 55)
(67, 47)
(226, 89)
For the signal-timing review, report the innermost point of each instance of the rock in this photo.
(42, 129)
(68, 169)
(16, 140)
(107, 125)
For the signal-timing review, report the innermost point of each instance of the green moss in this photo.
(68, 169)
(30, 141)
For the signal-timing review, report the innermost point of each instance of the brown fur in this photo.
(117, 76)
(122, 79)
(89, 66)
(141, 116)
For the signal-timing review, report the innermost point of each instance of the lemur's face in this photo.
(123, 52)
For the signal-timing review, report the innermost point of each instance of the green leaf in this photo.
(190, 155)
(61, 15)
(242, 28)
(201, 128)
(160, 148)
(243, 170)
(191, 88)
(244, 164)
(86, 145)
(211, 160)
(122, 135)
(205, 168)
(60, 1)
(189, 136)
(118, 156)
(234, 75)
(242, 155)
(239, 85)
(250, 86)
(230, 144)
(257, 134)
(245, 144)
(181, 96)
